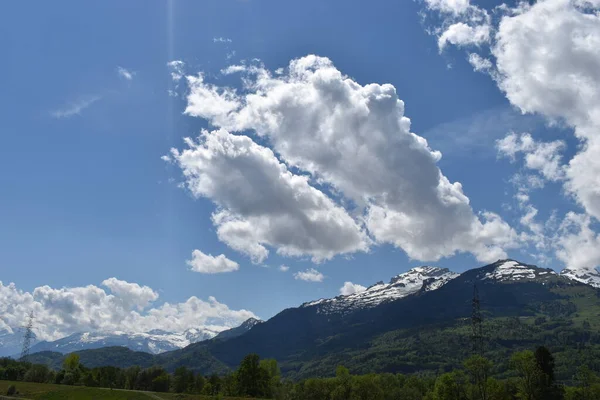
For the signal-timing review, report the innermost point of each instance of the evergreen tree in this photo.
(548, 388)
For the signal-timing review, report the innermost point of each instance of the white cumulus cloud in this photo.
(209, 264)
(479, 63)
(448, 6)
(351, 288)
(310, 275)
(461, 34)
(357, 140)
(578, 245)
(545, 58)
(122, 306)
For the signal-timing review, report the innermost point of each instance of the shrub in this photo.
(12, 390)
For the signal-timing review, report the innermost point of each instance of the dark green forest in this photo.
(531, 375)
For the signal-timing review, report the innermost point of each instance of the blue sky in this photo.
(86, 195)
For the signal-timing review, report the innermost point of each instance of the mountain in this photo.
(419, 321)
(409, 328)
(154, 342)
(239, 330)
(590, 276)
(419, 278)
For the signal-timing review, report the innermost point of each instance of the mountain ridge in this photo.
(309, 339)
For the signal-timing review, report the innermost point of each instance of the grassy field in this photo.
(43, 391)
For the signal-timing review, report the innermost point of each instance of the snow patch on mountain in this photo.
(426, 278)
(589, 276)
(511, 270)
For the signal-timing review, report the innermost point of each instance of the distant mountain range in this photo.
(419, 321)
(154, 342)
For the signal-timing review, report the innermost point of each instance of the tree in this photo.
(37, 373)
(449, 386)
(478, 368)
(529, 372)
(366, 387)
(315, 389)
(131, 376)
(343, 384)
(182, 380)
(585, 378)
(270, 376)
(249, 376)
(199, 382)
(214, 383)
(161, 383)
(549, 390)
(71, 362)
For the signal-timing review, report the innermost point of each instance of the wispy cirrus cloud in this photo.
(477, 133)
(75, 108)
(221, 40)
(125, 73)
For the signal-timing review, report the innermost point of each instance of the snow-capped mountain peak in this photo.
(420, 278)
(589, 276)
(249, 323)
(511, 270)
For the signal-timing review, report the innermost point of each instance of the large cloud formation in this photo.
(544, 57)
(122, 306)
(262, 203)
(353, 141)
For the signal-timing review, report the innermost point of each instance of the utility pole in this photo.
(476, 324)
(27, 338)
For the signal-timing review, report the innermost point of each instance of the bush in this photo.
(12, 390)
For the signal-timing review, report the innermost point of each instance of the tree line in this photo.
(532, 378)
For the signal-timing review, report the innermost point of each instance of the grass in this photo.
(46, 391)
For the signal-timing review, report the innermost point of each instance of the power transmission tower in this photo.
(27, 338)
(476, 324)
